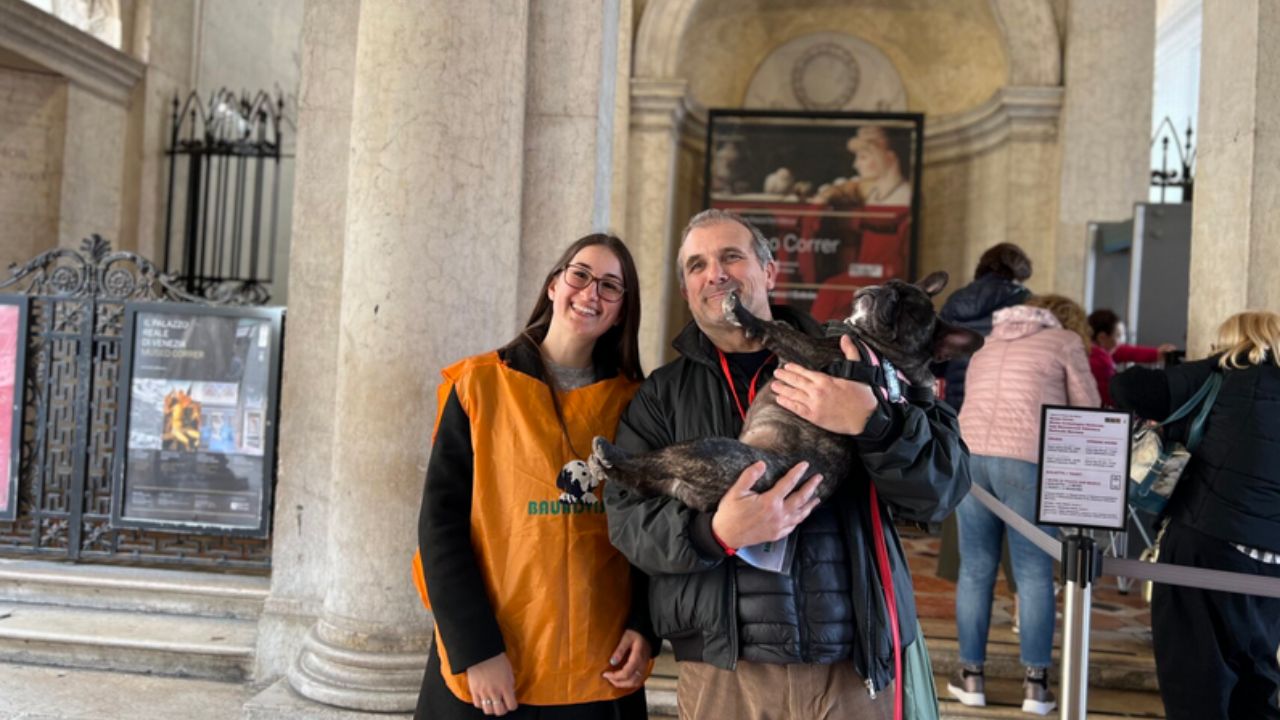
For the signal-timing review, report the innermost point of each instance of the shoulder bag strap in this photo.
(1210, 386)
(1214, 383)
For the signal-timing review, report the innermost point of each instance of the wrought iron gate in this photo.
(72, 401)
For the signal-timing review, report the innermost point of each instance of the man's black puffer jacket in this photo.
(717, 609)
(971, 307)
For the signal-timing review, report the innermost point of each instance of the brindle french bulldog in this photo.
(896, 320)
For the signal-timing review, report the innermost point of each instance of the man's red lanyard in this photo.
(751, 389)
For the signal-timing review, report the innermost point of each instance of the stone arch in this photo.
(658, 40)
(1031, 40)
(1029, 28)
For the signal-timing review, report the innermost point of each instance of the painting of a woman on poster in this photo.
(836, 194)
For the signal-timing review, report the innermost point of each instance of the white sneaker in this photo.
(967, 686)
(1036, 696)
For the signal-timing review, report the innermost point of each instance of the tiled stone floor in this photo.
(1115, 615)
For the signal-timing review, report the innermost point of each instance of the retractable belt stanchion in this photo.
(1081, 565)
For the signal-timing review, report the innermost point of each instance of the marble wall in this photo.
(67, 98)
(32, 126)
(93, 158)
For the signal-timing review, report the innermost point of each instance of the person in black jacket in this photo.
(997, 283)
(1216, 651)
(811, 638)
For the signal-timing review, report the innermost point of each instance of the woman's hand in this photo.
(835, 405)
(630, 659)
(493, 685)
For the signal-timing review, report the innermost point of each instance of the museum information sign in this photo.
(1084, 467)
(199, 437)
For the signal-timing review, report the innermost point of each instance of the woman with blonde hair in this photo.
(1216, 651)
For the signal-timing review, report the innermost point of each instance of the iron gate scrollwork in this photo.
(72, 401)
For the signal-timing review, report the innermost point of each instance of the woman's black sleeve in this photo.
(638, 618)
(455, 586)
(1154, 394)
(1142, 391)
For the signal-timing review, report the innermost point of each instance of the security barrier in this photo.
(1082, 564)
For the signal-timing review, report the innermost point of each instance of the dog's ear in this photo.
(933, 283)
(952, 341)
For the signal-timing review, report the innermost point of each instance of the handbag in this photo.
(1154, 464)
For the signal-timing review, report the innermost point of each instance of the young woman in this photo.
(1216, 651)
(536, 614)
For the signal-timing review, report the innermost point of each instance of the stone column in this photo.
(1106, 126)
(562, 101)
(1235, 234)
(300, 574)
(657, 110)
(428, 253)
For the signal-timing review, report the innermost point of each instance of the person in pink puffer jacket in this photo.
(1030, 359)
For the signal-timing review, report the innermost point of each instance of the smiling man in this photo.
(815, 639)
(718, 258)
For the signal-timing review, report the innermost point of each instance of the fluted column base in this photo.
(349, 669)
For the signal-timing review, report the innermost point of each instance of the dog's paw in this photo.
(598, 468)
(605, 452)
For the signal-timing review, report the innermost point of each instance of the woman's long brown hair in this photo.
(618, 349)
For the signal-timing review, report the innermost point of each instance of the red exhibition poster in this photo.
(835, 195)
(10, 337)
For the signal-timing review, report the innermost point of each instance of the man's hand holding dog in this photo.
(746, 517)
(833, 404)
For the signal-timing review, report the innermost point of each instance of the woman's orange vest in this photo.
(561, 592)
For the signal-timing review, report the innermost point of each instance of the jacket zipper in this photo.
(867, 651)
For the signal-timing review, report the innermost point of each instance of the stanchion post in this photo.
(1081, 565)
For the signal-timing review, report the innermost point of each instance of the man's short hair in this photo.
(716, 216)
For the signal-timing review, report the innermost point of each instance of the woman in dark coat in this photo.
(997, 283)
(1216, 651)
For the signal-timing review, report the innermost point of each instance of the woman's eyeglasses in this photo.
(579, 277)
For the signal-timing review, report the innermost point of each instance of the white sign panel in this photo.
(1084, 467)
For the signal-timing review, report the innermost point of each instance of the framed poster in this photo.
(196, 449)
(836, 194)
(1084, 467)
(13, 363)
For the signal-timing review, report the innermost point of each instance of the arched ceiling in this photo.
(952, 54)
(949, 53)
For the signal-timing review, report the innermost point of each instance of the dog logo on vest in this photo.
(577, 482)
